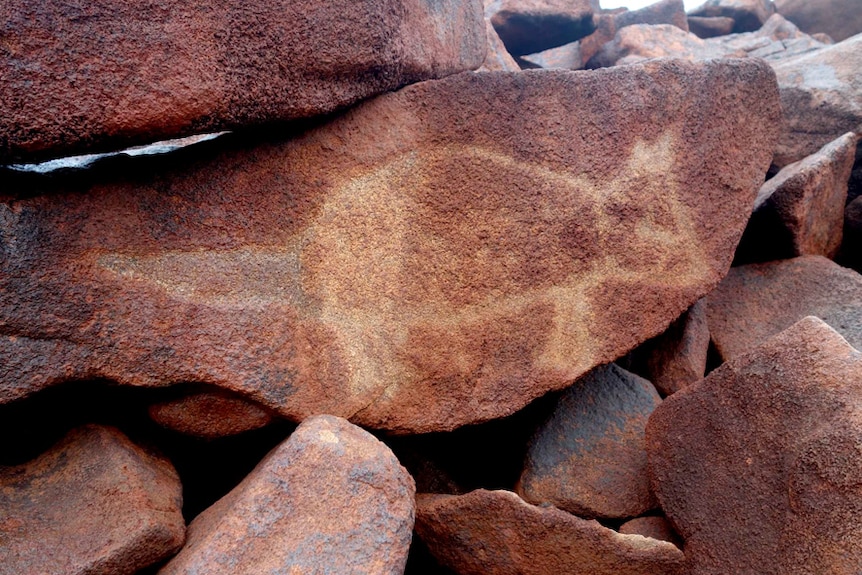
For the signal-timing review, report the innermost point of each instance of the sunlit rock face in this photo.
(437, 256)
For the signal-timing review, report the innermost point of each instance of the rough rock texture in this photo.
(840, 19)
(710, 27)
(575, 55)
(759, 466)
(437, 256)
(497, 58)
(105, 74)
(330, 499)
(748, 15)
(676, 358)
(800, 211)
(642, 42)
(498, 533)
(776, 40)
(654, 526)
(756, 301)
(210, 414)
(94, 504)
(528, 26)
(821, 94)
(589, 457)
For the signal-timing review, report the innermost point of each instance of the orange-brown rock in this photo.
(758, 466)
(589, 457)
(94, 503)
(800, 211)
(498, 533)
(497, 58)
(640, 42)
(528, 26)
(330, 499)
(654, 526)
(748, 15)
(209, 414)
(676, 358)
(821, 94)
(437, 256)
(840, 19)
(757, 301)
(104, 74)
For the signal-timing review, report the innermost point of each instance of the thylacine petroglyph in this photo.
(349, 268)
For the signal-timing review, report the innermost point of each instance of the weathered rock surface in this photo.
(528, 26)
(821, 94)
(575, 55)
(209, 414)
(759, 466)
(800, 211)
(589, 458)
(757, 301)
(498, 533)
(776, 40)
(840, 19)
(654, 526)
(330, 499)
(676, 358)
(104, 74)
(748, 15)
(497, 58)
(93, 504)
(437, 256)
(703, 27)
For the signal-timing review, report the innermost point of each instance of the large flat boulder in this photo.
(748, 15)
(329, 499)
(92, 76)
(528, 26)
(821, 94)
(758, 466)
(437, 256)
(93, 503)
(498, 533)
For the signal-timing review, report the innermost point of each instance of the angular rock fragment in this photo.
(840, 19)
(105, 74)
(498, 533)
(434, 257)
(94, 503)
(654, 526)
(209, 414)
(497, 58)
(330, 499)
(528, 26)
(642, 42)
(677, 358)
(589, 457)
(748, 15)
(757, 301)
(777, 39)
(821, 94)
(800, 211)
(759, 466)
(704, 27)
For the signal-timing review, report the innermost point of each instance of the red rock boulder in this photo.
(330, 499)
(497, 533)
(759, 465)
(105, 74)
(840, 19)
(437, 256)
(94, 503)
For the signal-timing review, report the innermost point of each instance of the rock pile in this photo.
(599, 319)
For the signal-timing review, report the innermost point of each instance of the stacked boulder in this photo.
(421, 307)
